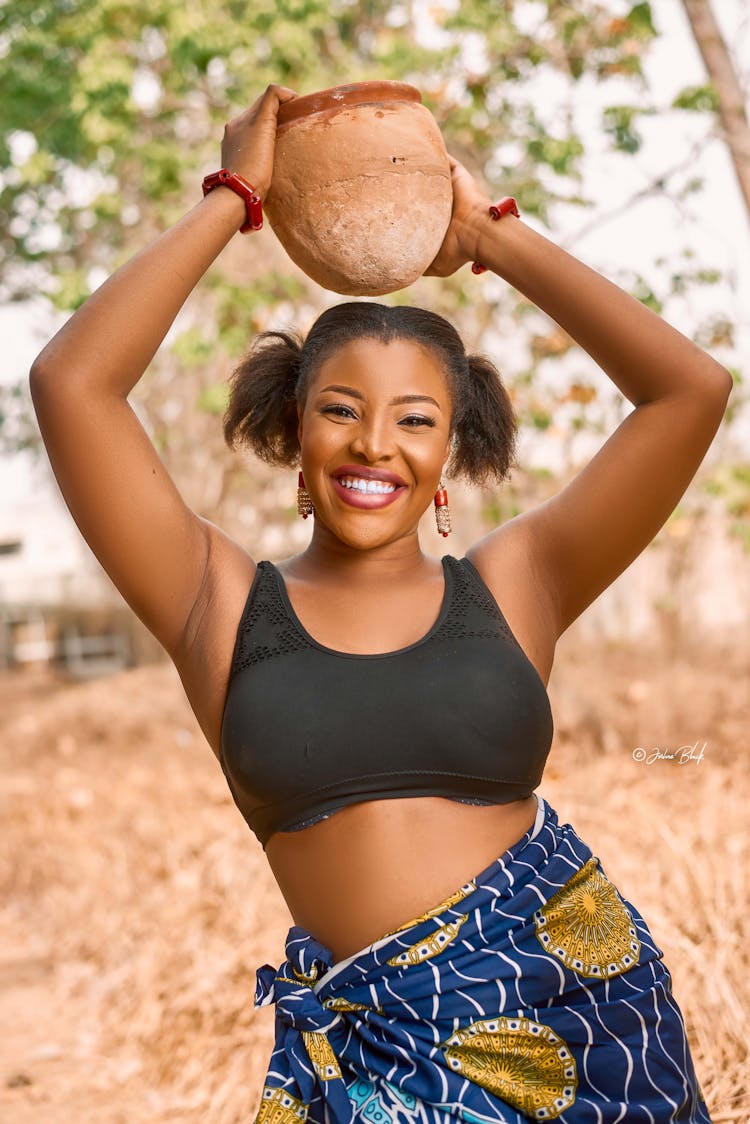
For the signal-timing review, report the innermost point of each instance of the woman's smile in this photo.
(370, 494)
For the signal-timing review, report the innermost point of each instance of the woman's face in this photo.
(353, 420)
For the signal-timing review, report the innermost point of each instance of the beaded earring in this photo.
(304, 503)
(442, 511)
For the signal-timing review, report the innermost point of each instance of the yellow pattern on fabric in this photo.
(338, 1003)
(277, 1106)
(518, 1060)
(587, 926)
(432, 945)
(320, 1052)
(446, 903)
(307, 978)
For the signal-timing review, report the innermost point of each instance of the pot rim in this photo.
(337, 97)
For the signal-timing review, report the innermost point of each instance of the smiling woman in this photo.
(351, 388)
(381, 714)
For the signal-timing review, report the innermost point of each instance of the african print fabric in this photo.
(533, 992)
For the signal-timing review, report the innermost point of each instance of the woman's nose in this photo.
(373, 440)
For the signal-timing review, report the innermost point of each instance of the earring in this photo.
(304, 503)
(442, 511)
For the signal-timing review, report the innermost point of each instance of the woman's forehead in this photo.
(387, 367)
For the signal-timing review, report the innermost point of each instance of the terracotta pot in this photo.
(361, 195)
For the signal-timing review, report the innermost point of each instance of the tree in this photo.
(725, 93)
(110, 113)
(109, 108)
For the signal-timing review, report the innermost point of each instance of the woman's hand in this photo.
(250, 138)
(470, 207)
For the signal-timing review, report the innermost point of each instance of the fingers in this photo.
(265, 105)
(270, 99)
(458, 170)
(274, 95)
(284, 93)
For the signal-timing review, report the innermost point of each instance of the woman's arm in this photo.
(153, 547)
(581, 539)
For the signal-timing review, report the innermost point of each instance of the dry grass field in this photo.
(136, 904)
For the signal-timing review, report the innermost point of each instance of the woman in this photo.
(381, 721)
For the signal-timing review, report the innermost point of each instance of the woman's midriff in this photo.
(374, 866)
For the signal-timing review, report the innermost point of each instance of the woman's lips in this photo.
(364, 499)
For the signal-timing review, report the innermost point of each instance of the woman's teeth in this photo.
(361, 485)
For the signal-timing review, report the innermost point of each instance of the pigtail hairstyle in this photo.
(485, 426)
(273, 379)
(262, 409)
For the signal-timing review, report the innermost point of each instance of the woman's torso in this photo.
(373, 865)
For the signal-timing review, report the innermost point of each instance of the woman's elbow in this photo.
(40, 371)
(720, 380)
(44, 382)
(38, 376)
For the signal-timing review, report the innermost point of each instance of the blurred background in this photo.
(135, 905)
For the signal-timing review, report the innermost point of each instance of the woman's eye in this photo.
(336, 409)
(413, 420)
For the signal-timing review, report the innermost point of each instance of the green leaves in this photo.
(126, 102)
(193, 348)
(141, 90)
(618, 123)
(214, 399)
(697, 99)
(560, 154)
(641, 22)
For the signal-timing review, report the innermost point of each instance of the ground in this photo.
(137, 905)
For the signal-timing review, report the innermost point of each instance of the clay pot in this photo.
(361, 195)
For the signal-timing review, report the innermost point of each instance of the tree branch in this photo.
(724, 78)
(654, 186)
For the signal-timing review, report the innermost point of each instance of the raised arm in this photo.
(128, 509)
(581, 539)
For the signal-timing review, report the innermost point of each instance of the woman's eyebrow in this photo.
(393, 402)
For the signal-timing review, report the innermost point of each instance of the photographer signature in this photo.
(682, 754)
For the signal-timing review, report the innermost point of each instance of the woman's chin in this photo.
(363, 533)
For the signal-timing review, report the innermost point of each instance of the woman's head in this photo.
(460, 421)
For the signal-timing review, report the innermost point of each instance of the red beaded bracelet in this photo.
(504, 206)
(233, 180)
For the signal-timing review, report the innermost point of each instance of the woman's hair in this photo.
(276, 373)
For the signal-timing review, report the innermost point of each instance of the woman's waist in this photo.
(272, 809)
(375, 866)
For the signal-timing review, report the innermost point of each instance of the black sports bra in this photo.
(306, 730)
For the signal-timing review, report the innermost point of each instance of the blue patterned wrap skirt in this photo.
(533, 992)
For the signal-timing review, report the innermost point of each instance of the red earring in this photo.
(304, 503)
(442, 511)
